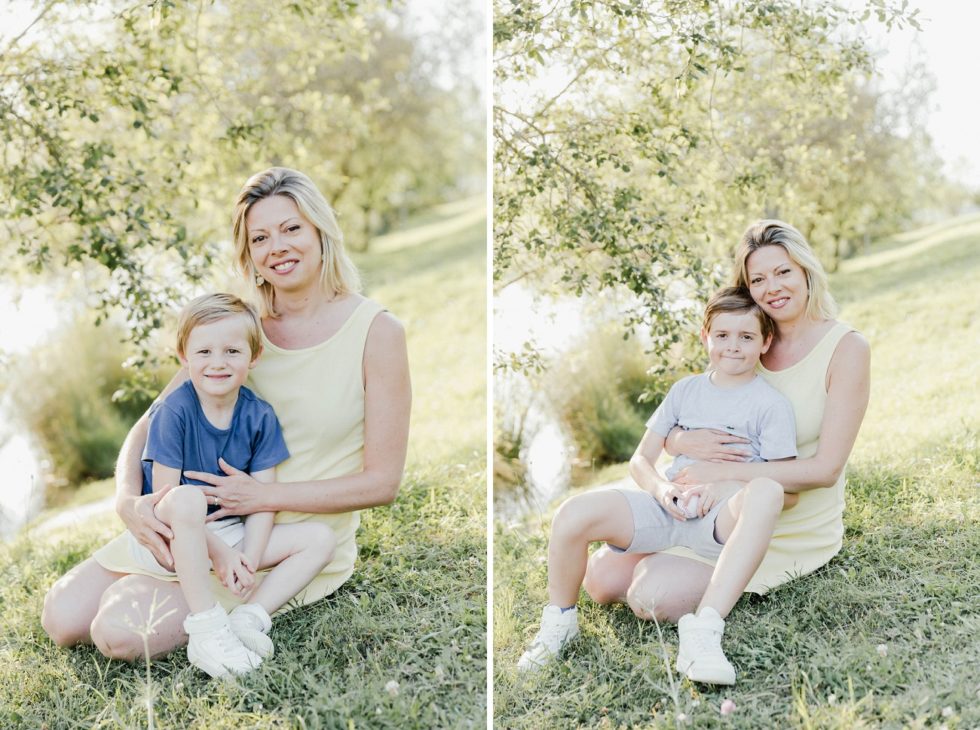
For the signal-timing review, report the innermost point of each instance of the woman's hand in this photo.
(707, 444)
(139, 516)
(235, 494)
(702, 472)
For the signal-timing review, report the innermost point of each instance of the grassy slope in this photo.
(414, 612)
(886, 635)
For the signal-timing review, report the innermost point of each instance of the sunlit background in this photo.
(537, 321)
(389, 121)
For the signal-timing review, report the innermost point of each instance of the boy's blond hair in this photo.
(736, 299)
(210, 308)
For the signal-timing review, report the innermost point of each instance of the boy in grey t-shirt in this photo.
(755, 411)
(729, 397)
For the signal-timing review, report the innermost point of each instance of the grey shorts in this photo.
(654, 529)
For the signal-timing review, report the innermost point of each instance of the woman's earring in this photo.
(259, 281)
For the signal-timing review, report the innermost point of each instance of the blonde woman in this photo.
(822, 366)
(334, 368)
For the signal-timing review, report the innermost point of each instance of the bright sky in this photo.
(951, 51)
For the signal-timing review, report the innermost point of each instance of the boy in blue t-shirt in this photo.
(731, 397)
(213, 416)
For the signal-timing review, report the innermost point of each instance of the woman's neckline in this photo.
(832, 324)
(266, 342)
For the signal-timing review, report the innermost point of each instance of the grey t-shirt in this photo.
(755, 411)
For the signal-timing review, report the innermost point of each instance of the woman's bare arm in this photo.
(134, 510)
(848, 391)
(387, 406)
(706, 444)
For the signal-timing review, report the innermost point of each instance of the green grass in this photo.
(414, 612)
(906, 580)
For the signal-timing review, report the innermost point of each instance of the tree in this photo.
(635, 140)
(128, 128)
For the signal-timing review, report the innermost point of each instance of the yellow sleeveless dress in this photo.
(809, 534)
(318, 395)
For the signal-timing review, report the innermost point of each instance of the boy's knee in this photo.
(570, 519)
(764, 492)
(184, 503)
(323, 540)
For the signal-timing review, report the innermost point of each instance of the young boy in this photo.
(730, 397)
(214, 416)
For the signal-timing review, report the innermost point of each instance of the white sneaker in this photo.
(699, 656)
(557, 629)
(250, 623)
(213, 648)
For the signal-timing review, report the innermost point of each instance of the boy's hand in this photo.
(668, 494)
(235, 570)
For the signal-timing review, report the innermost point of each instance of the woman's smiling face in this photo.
(777, 283)
(283, 243)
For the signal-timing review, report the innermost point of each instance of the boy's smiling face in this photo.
(734, 343)
(218, 357)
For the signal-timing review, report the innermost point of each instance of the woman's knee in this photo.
(115, 639)
(608, 576)
(138, 614)
(667, 587)
(60, 618)
(72, 602)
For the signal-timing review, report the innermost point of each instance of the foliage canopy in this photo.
(129, 127)
(635, 140)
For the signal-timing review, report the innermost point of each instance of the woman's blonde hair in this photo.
(820, 304)
(338, 274)
(210, 308)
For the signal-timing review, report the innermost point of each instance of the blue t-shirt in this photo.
(180, 436)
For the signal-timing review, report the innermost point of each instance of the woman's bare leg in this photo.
(128, 606)
(580, 521)
(672, 585)
(745, 525)
(609, 575)
(72, 602)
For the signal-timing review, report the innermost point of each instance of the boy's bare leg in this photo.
(583, 519)
(183, 509)
(745, 524)
(296, 553)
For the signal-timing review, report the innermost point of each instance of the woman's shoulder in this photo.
(386, 348)
(386, 330)
(383, 322)
(853, 347)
